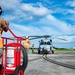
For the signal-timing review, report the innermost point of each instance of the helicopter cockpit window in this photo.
(41, 43)
(45, 43)
(48, 43)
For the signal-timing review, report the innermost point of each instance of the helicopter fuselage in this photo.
(45, 47)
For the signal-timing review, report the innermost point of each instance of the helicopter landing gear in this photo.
(52, 52)
(39, 50)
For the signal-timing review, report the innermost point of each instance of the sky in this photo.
(41, 17)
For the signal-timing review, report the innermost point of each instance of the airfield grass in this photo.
(35, 50)
(57, 50)
(64, 50)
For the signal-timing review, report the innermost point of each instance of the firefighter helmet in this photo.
(0, 10)
(26, 37)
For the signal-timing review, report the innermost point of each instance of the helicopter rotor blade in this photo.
(35, 38)
(44, 36)
(62, 39)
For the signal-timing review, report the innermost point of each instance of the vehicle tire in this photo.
(25, 58)
(39, 50)
(0, 68)
(19, 70)
(52, 52)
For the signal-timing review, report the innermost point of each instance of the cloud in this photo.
(71, 3)
(10, 5)
(38, 11)
(6, 17)
(71, 11)
(17, 10)
(23, 30)
(71, 18)
(49, 30)
(32, 30)
(57, 24)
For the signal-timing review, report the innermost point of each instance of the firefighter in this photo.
(3, 27)
(32, 48)
(26, 43)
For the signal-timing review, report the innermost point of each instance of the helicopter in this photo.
(46, 45)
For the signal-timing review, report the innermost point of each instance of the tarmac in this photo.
(39, 66)
(43, 67)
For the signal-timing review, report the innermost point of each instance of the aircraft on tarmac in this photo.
(45, 45)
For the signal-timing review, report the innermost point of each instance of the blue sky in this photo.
(41, 17)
